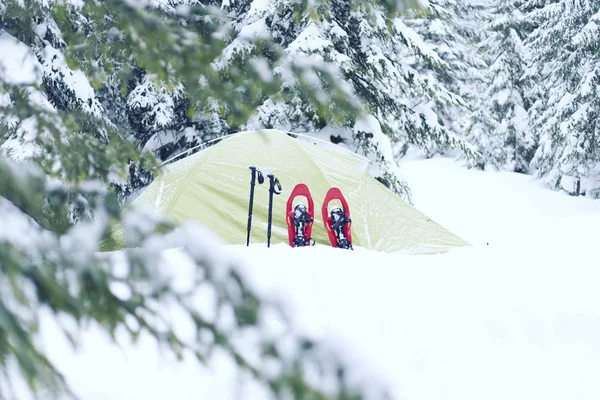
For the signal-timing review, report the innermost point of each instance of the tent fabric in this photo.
(213, 187)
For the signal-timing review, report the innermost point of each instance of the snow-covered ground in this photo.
(515, 316)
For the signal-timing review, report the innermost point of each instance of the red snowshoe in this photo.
(300, 219)
(338, 222)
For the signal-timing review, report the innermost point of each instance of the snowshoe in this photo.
(301, 218)
(337, 221)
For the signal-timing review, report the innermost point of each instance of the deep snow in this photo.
(515, 316)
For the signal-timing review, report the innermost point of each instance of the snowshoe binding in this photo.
(301, 218)
(337, 221)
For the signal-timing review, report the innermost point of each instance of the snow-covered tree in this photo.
(365, 92)
(565, 59)
(452, 30)
(500, 126)
(363, 62)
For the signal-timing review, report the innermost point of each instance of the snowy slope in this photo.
(500, 208)
(515, 316)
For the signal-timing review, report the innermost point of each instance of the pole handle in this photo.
(274, 182)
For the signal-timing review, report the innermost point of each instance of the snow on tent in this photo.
(213, 188)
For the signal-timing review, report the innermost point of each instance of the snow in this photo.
(370, 125)
(255, 31)
(309, 41)
(259, 7)
(19, 230)
(587, 87)
(514, 316)
(502, 96)
(263, 69)
(520, 120)
(437, 27)
(414, 40)
(56, 68)
(565, 102)
(18, 64)
(337, 31)
(23, 146)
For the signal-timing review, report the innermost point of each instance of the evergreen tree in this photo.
(500, 126)
(371, 54)
(280, 38)
(565, 67)
(452, 30)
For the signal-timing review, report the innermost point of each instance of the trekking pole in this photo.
(272, 183)
(261, 179)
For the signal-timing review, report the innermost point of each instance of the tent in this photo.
(213, 187)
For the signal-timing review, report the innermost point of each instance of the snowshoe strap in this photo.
(300, 222)
(339, 219)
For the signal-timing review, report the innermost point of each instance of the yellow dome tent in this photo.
(213, 188)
